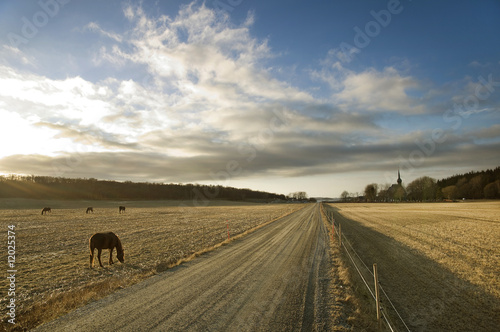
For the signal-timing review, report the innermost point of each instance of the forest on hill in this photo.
(46, 187)
(472, 185)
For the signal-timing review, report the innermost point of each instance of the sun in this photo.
(21, 136)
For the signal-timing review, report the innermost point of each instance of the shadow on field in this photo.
(428, 296)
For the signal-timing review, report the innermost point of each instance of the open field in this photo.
(52, 255)
(438, 262)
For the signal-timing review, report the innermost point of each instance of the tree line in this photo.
(473, 185)
(46, 187)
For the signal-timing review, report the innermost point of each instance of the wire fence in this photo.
(367, 276)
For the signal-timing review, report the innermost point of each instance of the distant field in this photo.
(52, 250)
(440, 261)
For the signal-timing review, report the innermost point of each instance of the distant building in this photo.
(396, 192)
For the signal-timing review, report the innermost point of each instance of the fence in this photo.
(383, 303)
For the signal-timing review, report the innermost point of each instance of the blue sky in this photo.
(282, 96)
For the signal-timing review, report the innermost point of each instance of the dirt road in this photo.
(274, 279)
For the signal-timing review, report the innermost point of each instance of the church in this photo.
(396, 192)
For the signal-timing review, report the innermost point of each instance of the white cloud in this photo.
(14, 54)
(199, 54)
(390, 90)
(93, 26)
(72, 98)
(478, 64)
(385, 91)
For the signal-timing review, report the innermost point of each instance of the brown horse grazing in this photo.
(120, 209)
(46, 209)
(90, 209)
(105, 241)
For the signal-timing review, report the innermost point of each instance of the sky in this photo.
(281, 96)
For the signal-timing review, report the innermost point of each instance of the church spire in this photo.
(399, 178)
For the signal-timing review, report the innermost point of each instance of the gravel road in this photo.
(274, 279)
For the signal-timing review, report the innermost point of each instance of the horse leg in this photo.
(91, 258)
(111, 256)
(99, 250)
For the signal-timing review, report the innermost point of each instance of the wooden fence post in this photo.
(340, 235)
(377, 295)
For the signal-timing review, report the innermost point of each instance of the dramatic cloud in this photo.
(195, 97)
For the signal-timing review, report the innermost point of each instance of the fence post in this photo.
(333, 230)
(340, 235)
(377, 297)
(227, 223)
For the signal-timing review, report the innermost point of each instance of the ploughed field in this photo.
(438, 262)
(52, 252)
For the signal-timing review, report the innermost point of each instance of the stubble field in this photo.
(52, 254)
(439, 262)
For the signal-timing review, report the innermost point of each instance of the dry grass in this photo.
(462, 237)
(53, 257)
(348, 311)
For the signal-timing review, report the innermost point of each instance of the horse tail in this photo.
(91, 252)
(91, 244)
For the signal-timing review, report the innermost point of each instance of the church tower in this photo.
(399, 178)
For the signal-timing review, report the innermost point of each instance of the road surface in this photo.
(274, 279)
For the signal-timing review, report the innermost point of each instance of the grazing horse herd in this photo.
(101, 241)
(89, 209)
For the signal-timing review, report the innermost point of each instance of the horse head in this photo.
(120, 255)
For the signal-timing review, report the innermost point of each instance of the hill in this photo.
(46, 187)
(473, 185)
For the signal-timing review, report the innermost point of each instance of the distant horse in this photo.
(105, 241)
(90, 209)
(46, 209)
(120, 209)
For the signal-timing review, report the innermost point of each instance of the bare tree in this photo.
(422, 189)
(383, 193)
(300, 195)
(371, 192)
